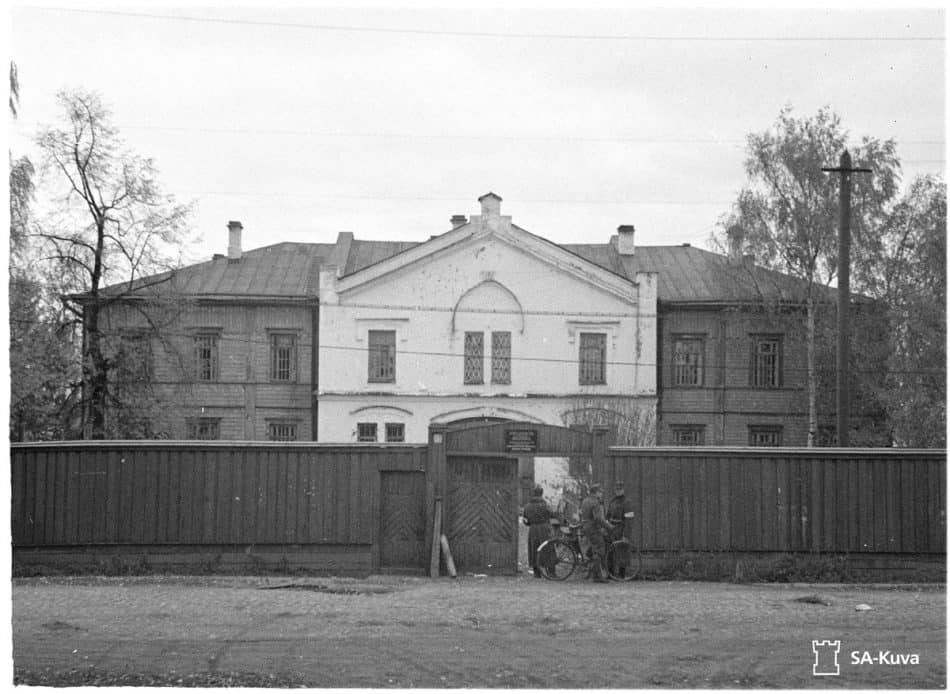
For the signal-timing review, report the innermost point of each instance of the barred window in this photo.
(501, 358)
(204, 428)
(395, 432)
(474, 358)
(765, 435)
(766, 361)
(688, 361)
(281, 431)
(593, 358)
(689, 435)
(283, 357)
(366, 432)
(382, 356)
(206, 356)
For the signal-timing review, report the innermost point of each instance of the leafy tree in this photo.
(113, 239)
(911, 279)
(787, 215)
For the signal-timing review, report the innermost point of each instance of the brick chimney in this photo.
(234, 241)
(735, 236)
(491, 205)
(458, 220)
(625, 244)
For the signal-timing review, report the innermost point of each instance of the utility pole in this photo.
(844, 296)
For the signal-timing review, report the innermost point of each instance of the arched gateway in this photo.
(475, 476)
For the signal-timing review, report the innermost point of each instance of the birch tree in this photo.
(112, 235)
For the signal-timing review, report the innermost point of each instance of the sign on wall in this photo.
(521, 441)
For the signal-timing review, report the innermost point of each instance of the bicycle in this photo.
(559, 557)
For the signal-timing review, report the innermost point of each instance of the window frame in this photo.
(391, 427)
(473, 362)
(292, 425)
(700, 368)
(377, 370)
(362, 437)
(214, 361)
(698, 429)
(193, 425)
(588, 372)
(501, 363)
(293, 375)
(756, 430)
(756, 360)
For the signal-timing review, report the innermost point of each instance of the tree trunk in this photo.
(96, 374)
(812, 386)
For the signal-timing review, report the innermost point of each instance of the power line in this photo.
(460, 136)
(495, 35)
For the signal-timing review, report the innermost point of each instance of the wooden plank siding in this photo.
(784, 500)
(122, 493)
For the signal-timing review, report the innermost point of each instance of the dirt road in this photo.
(472, 632)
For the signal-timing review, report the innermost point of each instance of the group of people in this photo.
(597, 524)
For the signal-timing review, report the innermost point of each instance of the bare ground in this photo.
(489, 632)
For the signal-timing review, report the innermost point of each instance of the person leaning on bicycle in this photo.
(593, 527)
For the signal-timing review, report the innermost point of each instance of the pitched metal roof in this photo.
(684, 273)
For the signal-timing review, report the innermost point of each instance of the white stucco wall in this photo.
(483, 277)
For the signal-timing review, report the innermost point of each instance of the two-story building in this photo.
(374, 341)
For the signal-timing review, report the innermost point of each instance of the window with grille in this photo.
(689, 435)
(283, 357)
(501, 358)
(206, 357)
(765, 436)
(204, 428)
(593, 358)
(395, 432)
(474, 359)
(688, 361)
(382, 356)
(281, 431)
(766, 361)
(366, 432)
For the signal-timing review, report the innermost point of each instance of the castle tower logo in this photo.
(826, 658)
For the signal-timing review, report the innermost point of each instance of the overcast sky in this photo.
(385, 122)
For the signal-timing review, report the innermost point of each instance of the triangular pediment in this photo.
(497, 232)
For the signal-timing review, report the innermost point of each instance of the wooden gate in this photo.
(482, 514)
(402, 521)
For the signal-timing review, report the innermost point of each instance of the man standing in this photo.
(618, 506)
(593, 527)
(537, 517)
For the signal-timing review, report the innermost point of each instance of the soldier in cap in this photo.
(593, 527)
(537, 517)
(618, 506)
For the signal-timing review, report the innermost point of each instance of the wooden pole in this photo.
(436, 539)
(844, 298)
(447, 553)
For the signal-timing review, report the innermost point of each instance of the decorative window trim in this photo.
(611, 328)
(398, 325)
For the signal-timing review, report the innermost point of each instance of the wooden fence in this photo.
(783, 499)
(354, 507)
(203, 495)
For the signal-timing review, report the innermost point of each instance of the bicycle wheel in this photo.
(623, 561)
(556, 559)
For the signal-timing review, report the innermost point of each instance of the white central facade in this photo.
(486, 320)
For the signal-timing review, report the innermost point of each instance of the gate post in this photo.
(435, 481)
(598, 454)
